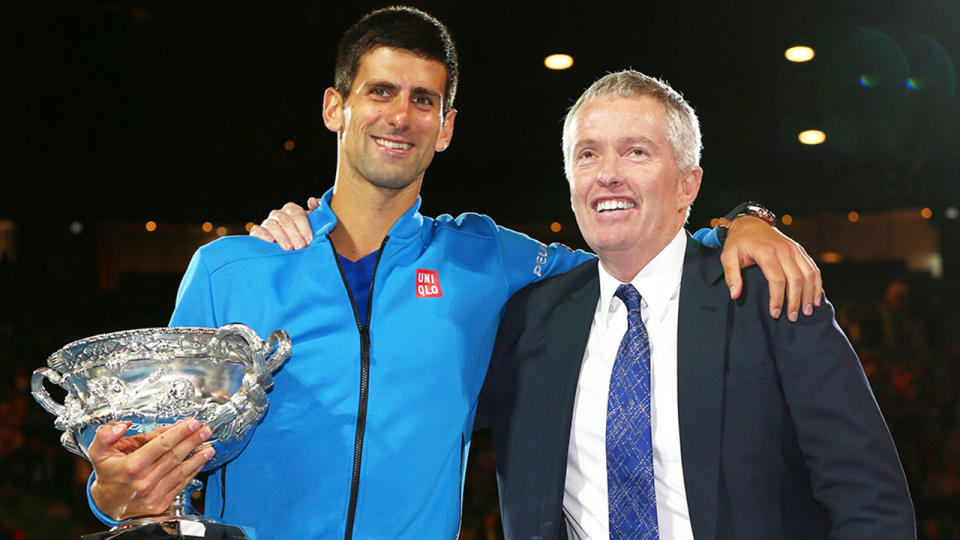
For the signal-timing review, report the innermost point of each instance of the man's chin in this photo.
(397, 181)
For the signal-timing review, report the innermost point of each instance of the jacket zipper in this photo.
(364, 330)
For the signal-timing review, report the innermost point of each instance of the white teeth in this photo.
(614, 204)
(394, 145)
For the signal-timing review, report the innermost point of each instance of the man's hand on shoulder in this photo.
(288, 226)
(784, 263)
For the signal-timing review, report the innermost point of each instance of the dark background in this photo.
(115, 113)
(180, 109)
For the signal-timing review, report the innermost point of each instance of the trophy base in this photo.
(176, 528)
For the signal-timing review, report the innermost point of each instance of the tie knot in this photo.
(630, 296)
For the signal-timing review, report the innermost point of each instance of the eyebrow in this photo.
(417, 90)
(621, 141)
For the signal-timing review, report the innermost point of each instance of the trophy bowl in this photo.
(153, 377)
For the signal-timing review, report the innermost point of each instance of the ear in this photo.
(689, 185)
(333, 110)
(446, 132)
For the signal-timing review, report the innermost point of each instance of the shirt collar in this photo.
(324, 220)
(658, 282)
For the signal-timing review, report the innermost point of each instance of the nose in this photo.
(608, 175)
(398, 116)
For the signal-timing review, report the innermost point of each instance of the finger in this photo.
(263, 234)
(795, 281)
(179, 453)
(810, 287)
(168, 441)
(290, 229)
(184, 483)
(273, 226)
(313, 203)
(731, 273)
(817, 278)
(179, 477)
(300, 221)
(776, 279)
(106, 435)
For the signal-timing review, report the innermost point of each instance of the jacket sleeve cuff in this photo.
(93, 506)
(708, 237)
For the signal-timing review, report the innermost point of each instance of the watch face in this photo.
(762, 213)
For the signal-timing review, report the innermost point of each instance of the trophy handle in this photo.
(279, 343)
(237, 329)
(40, 393)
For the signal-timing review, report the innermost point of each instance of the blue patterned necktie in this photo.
(630, 492)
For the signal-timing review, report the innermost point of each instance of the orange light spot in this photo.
(787, 219)
(853, 217)
(555, 226)
(249, 226)
(151, 226)
(830, 257)
(221, 231)
(207, 226)
(289, 145)
(926, 213)
(713, 222)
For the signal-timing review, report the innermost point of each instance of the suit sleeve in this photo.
(855, 472)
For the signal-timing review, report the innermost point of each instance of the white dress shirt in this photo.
(585, 492)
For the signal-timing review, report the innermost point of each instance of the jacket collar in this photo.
(323, 220)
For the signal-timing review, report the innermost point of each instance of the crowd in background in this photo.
(905, 328)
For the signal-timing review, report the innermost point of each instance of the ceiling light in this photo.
(800, 53)
(558, 61)
(812, 136)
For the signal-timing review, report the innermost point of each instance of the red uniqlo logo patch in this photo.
(428, 284)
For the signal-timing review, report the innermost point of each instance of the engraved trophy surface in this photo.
(154, 377)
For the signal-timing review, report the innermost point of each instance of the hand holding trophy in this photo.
(161, 392)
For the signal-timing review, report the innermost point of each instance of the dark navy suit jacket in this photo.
(780, 434)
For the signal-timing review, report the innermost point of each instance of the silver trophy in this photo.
(155, 377)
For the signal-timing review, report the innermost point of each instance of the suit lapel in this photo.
(701, 349)
(567, 334)
(568, 341)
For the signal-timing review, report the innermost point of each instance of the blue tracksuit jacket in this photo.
(368, 427)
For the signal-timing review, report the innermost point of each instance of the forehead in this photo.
(401, 67)
(619, 117)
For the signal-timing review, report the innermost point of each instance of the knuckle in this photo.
(141, 489)
(165, 443)
(130, 470)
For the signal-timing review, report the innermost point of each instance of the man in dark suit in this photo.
(631, 398)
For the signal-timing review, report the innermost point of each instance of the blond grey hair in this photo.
(683, 128)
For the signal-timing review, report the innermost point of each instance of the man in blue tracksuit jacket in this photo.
(392, 317)
(370, 418)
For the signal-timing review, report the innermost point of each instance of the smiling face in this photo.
(627, 193)
(391, 123)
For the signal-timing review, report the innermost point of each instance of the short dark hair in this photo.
(399, 27)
